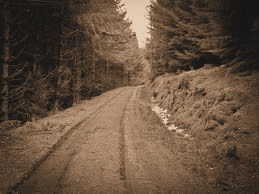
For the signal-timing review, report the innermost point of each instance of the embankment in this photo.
(219, 110)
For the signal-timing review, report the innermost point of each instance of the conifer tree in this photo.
(4, 57)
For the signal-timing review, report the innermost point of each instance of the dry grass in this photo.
(220, 110)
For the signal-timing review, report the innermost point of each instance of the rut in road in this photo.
(114, 151)
(122, 147)
(99, 166)
(122, 143)
(71, 152)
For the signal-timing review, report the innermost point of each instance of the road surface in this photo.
(113, 151)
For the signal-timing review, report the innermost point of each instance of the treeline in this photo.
(54, 53)
(187, 34)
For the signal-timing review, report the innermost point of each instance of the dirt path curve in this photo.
(112, 152)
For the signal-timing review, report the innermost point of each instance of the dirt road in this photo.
(113, 151)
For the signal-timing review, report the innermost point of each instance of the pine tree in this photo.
(186, 35)
(58, 59)
(4, 57)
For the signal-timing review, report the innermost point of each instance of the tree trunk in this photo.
(107, 69)
(93, 66)
(4, 57)
(121, 75)
(113, 77)
(77, 79)
(107, 74)
(36, 51)
(60, 60)
(78, 86)
(128, 78)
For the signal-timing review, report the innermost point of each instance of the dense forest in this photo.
(55, 53)
(191, 121)
(187, 34)
(204, 59)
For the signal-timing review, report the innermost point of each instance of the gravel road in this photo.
(113, 151)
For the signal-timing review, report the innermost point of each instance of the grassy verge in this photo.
(219, 109)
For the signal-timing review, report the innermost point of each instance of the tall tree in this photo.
(60, 57)
(187, 34)
(51, 65)
(4, 57)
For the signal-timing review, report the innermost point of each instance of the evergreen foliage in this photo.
(186, 35)
(62, 52)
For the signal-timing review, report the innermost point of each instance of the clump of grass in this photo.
(232, 152)
(211, 125)
(220, 112)
(7, 125)
(155, 94)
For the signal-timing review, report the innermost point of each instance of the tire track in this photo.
(122, 146)
(122, 150)
(71, 156)
(58, 144)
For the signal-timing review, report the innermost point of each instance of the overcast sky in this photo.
(138, 15)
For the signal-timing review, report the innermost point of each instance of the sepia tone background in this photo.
(129, 96)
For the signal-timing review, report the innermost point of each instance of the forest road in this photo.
(113, 151)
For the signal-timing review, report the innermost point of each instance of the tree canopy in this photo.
(61, 52)
(188, 34)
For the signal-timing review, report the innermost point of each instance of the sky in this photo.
(137, 13)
